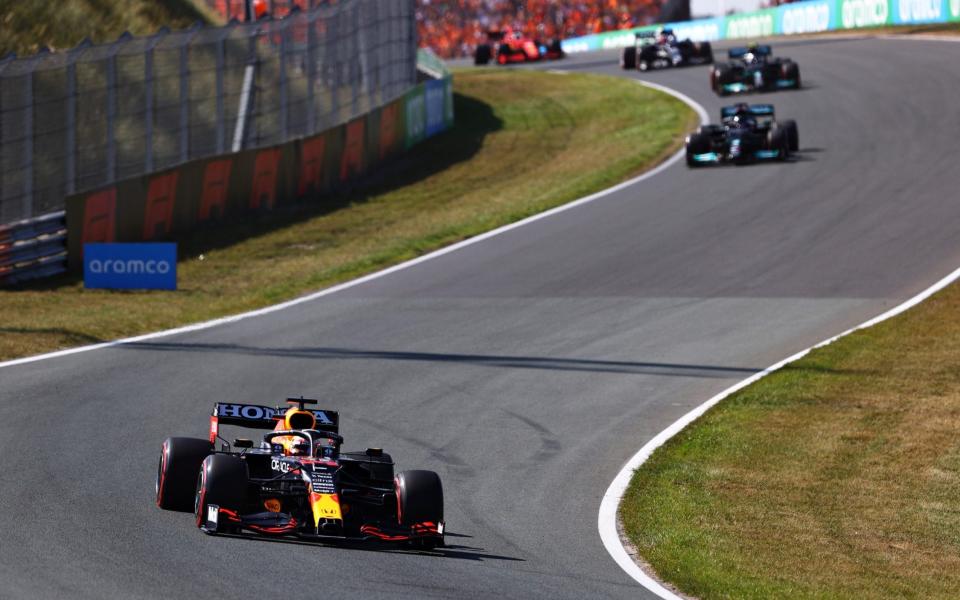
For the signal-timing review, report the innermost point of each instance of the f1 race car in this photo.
(511, 46)
(661, 49)
(747, 133)
(296, 481)
(754, 68)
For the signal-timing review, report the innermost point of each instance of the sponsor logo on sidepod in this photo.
(132, 266)
(807, 19)
(863, 13)
(918, 10)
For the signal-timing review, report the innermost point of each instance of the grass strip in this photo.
(524, 142)
(836, 477)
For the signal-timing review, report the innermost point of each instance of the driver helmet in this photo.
(744, 119)
(752, 56)
(665, 35)
(301, 447)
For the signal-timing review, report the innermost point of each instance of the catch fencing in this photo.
(97, 114)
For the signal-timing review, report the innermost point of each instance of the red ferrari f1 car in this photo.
(511, 46)
(296, 481)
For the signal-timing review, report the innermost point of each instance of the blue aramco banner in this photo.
(147, 266)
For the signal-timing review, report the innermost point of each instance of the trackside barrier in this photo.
(811, 16)
(201, 193)
(33, 248)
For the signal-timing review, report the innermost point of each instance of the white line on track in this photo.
(611, 499)
(405, 265)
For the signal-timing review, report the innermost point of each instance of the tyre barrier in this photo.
(33, 248)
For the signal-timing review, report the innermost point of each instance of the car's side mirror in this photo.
(243, 443)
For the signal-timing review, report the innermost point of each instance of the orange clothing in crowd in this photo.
(453, 28)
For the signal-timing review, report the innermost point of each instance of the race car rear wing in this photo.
(757, 110)
(255, 416)
(758, 50)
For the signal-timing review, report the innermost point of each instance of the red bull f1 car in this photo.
(506, 47)
(754, 68)
(296, 481)
(747, 133)
(661, 50)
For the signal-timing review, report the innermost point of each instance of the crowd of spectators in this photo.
(453, 28)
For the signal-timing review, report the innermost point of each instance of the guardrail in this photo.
(811, 16)
(33, 248)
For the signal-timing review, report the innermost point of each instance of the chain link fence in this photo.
(81, 119)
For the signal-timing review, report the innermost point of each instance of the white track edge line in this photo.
(378, 274)
(609, 505)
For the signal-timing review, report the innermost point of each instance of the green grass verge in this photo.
(524, 142)
(836, 477)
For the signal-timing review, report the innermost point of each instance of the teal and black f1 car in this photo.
(754, 68)
(747, 133)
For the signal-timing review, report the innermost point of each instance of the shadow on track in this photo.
(517, 362)
(452, 551)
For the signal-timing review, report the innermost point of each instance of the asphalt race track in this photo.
(524, 369)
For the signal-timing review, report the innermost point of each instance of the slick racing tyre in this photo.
(793, 136)
(697, 143)
(706, 52)
(791, 70)
(628, 57)
(483, 55)
(778, 139)
(180, 460)
(420, 500)
(222, 482)
(722, 75)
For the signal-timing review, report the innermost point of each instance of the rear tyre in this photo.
(556, 48)
(222, 482)
(419, 497)
(180, 460)
(482, 55)
(706, 51)
(792, 71)
(628, 57)
(777, 139)
(793, 136)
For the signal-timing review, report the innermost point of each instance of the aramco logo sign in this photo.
(151, 266)
(864, 13)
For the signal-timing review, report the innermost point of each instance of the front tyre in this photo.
(628, 57)
(222, 483)
(419, 502)
(180, 460)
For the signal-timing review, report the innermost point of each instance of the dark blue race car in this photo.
(747, 133)
(753, 68)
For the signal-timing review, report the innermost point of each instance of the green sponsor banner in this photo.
(865, 13)
(414, 116)
(761, 23)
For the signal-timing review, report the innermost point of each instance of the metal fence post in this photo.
(71, 119)
(27, 200)
(283, 77)
(219, 92)
(148, 109)
(111, 174)
(184, 103)
(311, 74)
